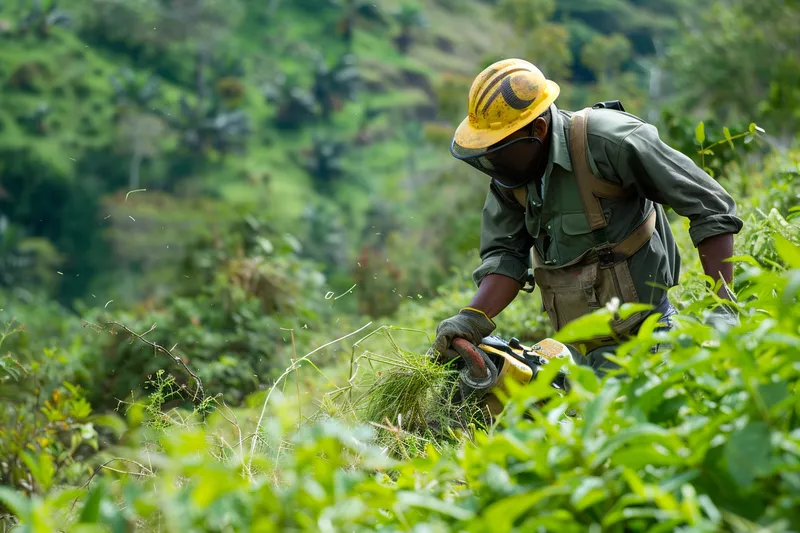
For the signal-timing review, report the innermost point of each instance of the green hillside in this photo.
(288, 106)
(229, 229)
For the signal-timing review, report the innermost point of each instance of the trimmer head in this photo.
(487, 367)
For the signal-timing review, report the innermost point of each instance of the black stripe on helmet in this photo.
(494, 82)
(509, 96)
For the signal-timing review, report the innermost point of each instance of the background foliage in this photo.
(203, 191)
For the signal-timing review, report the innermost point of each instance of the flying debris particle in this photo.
(72, 159)
(109, 216)
(135, 190)
(108, 302)
(359, 264)
(93, 296)
(130, 217)
(59, 273)
(348, 291)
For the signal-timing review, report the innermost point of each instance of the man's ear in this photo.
(540, 128)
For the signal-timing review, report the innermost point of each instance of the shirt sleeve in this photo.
(666, 176)
(505, 241)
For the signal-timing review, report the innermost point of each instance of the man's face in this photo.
(517, 161)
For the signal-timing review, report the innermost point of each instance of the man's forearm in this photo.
(495, 293)
(713, 253)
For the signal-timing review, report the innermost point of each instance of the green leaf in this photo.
(652, 433)
(773, 393)
(414, 499)
(640, 455)
(596, 411)
(700, 132)
(727, 133)
(750, 260)
(91, 507)
(16, 501)
(113, 516)
(503, 513)
(590, 491)
(584, 327)
(709, 508)
(747, 453)
(752, 128)
(789, 252)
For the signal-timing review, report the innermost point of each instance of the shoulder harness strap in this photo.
(591, 189)
(590, 186)
(521, 194)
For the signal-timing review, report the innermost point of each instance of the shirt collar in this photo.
(559, 153)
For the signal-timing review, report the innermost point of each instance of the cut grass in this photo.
(409, 400)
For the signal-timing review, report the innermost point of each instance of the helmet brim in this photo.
(469, 141)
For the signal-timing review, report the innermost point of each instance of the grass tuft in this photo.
(409, 400)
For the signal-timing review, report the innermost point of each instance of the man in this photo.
(578, 197)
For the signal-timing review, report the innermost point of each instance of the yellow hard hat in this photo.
(503, 98)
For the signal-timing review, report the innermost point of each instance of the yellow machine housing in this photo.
(510, 367)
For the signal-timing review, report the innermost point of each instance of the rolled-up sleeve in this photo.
(667, 176)
(505, 241)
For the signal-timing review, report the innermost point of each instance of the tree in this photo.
(295, 105)
(129, 91)
(323, 160)
(545, 43)
(40, 20)
(355, 12)
(409, 17)
(605, 54)
(333, 84)
(740, 60)
(138, 135)
(525, 15)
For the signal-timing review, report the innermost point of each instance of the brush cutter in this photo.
(486, 368)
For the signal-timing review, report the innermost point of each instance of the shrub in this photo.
(701, 437)
(47, 428)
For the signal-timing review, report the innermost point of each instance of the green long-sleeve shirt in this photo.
(623, 150)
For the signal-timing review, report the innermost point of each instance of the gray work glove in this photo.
(469, 324)
(723, 317)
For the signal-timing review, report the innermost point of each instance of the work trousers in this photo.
(596, 358)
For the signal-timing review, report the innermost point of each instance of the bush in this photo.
(701, 437)
(239, 288)
(47, 428)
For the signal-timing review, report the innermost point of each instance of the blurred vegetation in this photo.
(225, 192)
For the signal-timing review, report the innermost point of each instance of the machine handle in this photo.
(474, 361)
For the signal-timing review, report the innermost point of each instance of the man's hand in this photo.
(470, 324)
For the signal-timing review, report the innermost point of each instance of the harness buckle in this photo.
(605, 256)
